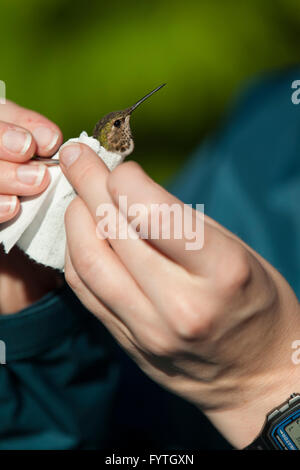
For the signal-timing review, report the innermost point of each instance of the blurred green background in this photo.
(76, 61)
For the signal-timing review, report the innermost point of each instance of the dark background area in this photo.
(75, 61)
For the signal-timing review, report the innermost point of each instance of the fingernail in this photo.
(7, 204)
(31, 174)
(45, 137)
(68, 154)
(16, 141)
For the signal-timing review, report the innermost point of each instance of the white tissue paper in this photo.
(39, 228)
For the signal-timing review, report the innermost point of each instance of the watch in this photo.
(281, 430)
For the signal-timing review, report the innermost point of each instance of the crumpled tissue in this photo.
(39, 228)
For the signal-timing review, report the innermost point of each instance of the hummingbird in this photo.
(113, 131)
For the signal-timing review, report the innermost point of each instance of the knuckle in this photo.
(157, 344)
(71, 210)
(71, 278)
(13, 210)
(124, 172)
(234, 271)
(21, 158)
(124, 168)
(83, 172)
(6, 218)
(195, 328)
(82, 178)
(86, 261)
(7, 172)
(190, 319)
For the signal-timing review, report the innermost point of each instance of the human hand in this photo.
(214, 326)
(23, 133)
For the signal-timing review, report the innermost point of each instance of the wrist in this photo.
(241, 425)
(261, 392)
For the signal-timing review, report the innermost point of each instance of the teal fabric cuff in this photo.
(42, 325)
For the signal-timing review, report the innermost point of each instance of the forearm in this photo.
(240, 426)
(259, 394)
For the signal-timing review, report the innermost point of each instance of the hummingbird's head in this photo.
(113, 130)
(114, 133)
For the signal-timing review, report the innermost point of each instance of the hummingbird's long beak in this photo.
(132, 108)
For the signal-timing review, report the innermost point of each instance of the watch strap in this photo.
(256, 445)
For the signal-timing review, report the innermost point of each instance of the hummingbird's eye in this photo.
(117, 123)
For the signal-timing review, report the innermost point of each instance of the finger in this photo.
(183, 234)
(158, 278)
(47, 135)
(137, 342)
(16, 143)
(88, 175)
(101, 270)
(23, 180)
(92, 302)
(9, 207)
